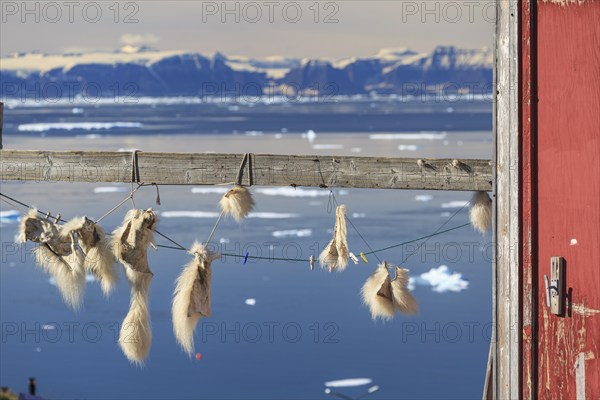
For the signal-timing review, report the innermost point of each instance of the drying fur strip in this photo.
(336, 254)
(377, 293)
(237, 202)
(403, 299)
(191, 300)
(99, 258)
(481, 211)
(130, 247)
(57, 255)
(384, 296)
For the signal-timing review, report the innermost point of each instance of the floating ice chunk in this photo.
(250, 302)
(293, 233)
(327, 146)
(110, 189)
(69, 126)
(408, 147)
(189, 214)
(10, 217)
(455, 204)
(210, 190)
(292, 192)
(311, 136)
(272, 215)
(442, 279)
(351, 382)
(409, 136)
(423, 197)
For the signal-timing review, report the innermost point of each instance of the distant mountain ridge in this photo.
(143, 71)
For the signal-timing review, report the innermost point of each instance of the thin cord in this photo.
(214, 228)
(112, 210)
(170, 240)
(438, 229)
(182, 248)
(303, 260)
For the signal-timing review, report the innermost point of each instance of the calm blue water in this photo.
(306, 327)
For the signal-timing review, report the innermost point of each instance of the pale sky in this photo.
(304, 28)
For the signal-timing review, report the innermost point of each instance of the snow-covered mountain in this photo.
(143, 71)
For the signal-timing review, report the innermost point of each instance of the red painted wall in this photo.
(568, 192)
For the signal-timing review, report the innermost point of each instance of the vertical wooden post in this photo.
(1, 121)
(507, 302)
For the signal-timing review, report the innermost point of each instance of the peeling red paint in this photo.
(568, 195)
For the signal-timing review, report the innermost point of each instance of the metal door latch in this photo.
(555, 293)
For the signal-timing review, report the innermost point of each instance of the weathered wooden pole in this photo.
(1, 121)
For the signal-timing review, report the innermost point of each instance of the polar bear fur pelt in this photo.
(480, 213)
(99, 258)
(237, 202)
(130, 246)
(384, 295)
(57, 255)
(335, 255)
(191, 300)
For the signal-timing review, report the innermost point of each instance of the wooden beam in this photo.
(266, 169)
(1, 121)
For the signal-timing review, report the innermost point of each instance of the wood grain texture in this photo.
(528, 189)
(1, 121)
(263, 169)
(569, 196)
(507, 361)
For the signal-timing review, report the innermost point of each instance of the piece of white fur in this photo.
(385, 296)
(99, 258)
(135, 337)
(377, 293)
(191, 299)
(57, 255)
(335, 255)
(403, 299)
(130, 245)
(237, 202)
(481, 211)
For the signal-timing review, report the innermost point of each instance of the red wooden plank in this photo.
(528, 211)
(568, 184)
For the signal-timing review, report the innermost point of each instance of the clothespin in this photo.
(57, 218)
(245, 258)
(362, 255)
(48, 215)
(354, 258)
(312, 262)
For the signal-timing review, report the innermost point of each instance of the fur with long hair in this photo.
(403, 299)
(191, 299)
(135, 337)
(385, 296)
(237, 202)
(57, 255)
(99, 258)
(480, 213)
(130, 245)
(335, 255)
(377, 293)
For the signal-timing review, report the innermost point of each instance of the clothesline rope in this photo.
(371, 251)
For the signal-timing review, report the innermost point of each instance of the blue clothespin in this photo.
(246, 258)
